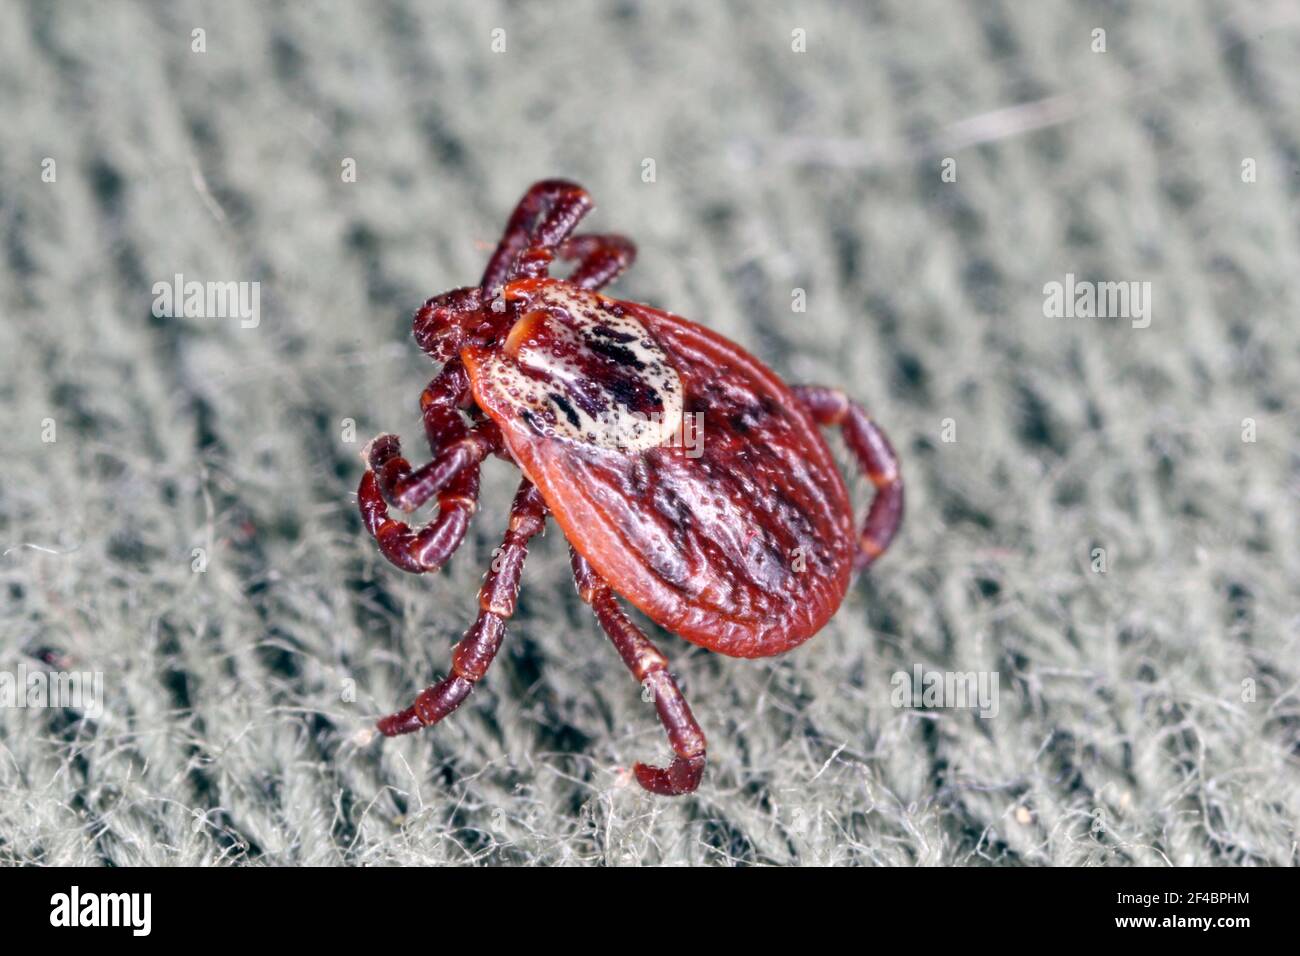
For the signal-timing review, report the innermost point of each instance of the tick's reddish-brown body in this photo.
(686, 476)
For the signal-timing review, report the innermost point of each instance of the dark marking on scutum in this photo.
(618, 354)
(633, 394)
(531, 419)
(606, 332)
(589, 395)
(563, 404)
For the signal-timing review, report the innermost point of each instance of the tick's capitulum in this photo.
(687, 477)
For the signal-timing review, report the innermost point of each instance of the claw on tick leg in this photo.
(682, 776)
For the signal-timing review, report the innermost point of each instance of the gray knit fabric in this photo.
(1101, 512)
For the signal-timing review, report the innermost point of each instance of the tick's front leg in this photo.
(452, 477)
(496, 600)
(601, 259)
(409, 489)
(429, 547)
(450, 439)
(544, 217)
(650, 667)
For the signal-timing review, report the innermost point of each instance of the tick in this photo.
(688, 479)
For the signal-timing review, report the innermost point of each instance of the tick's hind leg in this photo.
(601, 259)
(496, 601)
(875, 456)
(650, 667)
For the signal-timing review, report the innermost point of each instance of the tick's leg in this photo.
(601, 259)
(876, 458)
(649, 667)
(452, 476)
(456, 447)
(544, 217)
(439, 325)
(496, 601)
(447, 434)
(429, 547)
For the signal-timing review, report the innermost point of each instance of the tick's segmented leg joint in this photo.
(601, 259)
(875, 456)
(546, 215)
(650, 668)
(453, 477)
(475, 651)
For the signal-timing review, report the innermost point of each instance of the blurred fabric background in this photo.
(1102, 515)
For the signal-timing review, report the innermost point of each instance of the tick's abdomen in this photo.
(726, 520)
